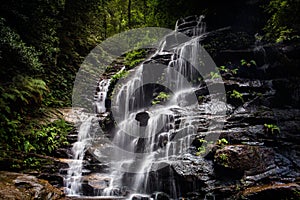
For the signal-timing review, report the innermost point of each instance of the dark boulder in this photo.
(143, 118)
(251, 159)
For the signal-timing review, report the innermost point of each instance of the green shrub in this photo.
(248, 64)
(284, 20)
(271, 128)
(214, 75)
(135, 57)
(222, 142)
(236, 95)
(46, 138)
(202, 148)
(161, 97)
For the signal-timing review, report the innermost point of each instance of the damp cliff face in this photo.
(256, 155)
(258, 152)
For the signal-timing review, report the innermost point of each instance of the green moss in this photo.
(135, 57)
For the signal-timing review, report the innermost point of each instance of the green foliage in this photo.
(202, 148)
(15, 56)
(224, 69)
(271, 128)
(161, 97)
(223, 159)
(222, 142)
(119, 75)
(23, 96)
(248, 64)
(42, 139)
(21, 93)
(214, 75)
(236, 95)
(284, 21)
(135, 57)
(234, 71)
(46, 138)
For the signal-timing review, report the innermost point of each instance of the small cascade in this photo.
(100, 96)
(73, 179)
(86, 133)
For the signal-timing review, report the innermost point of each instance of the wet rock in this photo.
(163, 57)
(54, 179)
(193, 174)
(94, 184)
(26, 187)
(106, 122)
(143, 118)
(276, 191)
(251, 159)
(160, 196)
(139, 197)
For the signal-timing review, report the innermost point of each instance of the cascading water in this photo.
(86, 132)
(73, 179)
(150, 136)
(100, 96)
(151, 144)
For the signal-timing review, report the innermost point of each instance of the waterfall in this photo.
(149, 146)
(148, 137)
(73, 179)
(100, 95)
(86, 132)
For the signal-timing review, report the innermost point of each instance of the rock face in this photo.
(26, 187)
(275, 191)
(246, 158)
(261, 127)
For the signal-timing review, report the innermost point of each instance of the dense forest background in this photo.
(42, 44)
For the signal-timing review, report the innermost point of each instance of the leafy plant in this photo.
(222, 142)
(248, 64)
(214, 75)
(202, 148)
(223, 69)
(234, 71)
(223, 158)
(161, 97)
(271, 128)
(46, 138)
(284, 20)
(236, 95)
